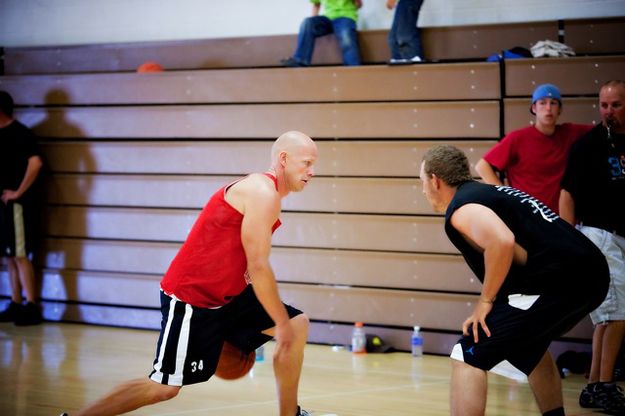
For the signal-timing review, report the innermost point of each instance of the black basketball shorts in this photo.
(18, 229)
(522, 327)
(191, 338)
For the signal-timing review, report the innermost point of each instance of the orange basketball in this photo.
(234, 363)
(150, 66)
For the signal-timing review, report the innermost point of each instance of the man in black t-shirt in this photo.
(20, 164)
(593, 197)
(535, 273)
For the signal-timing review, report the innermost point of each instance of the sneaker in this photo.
(609, 396)
(398, 61)
(402, 61)
(30, 315)
(11, 313)
(302, 412)
(291, 62)
(587, 396)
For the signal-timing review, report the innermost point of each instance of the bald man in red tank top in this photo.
(221, 287)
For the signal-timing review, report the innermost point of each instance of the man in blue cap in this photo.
(533, 158)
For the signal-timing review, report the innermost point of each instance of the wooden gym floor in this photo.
(59, 367)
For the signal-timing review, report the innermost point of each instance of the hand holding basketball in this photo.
(234, 363)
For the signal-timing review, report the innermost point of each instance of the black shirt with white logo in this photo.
(558, 255)
(595, 178)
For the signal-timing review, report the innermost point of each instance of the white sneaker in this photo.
(416, 59)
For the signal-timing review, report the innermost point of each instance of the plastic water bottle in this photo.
(359, 339)
(260, 353)
(416, 342)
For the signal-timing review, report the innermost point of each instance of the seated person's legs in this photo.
(347, 35)
(310, 29)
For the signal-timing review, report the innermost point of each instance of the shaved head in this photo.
(292, 158)
(289, 142)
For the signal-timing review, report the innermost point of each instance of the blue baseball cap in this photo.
(546, 91)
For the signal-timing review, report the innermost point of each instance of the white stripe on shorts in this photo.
(181, 349)
(158, 376)
(18, 226)
(504, 368)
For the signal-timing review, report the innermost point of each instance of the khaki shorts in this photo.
(613, 248)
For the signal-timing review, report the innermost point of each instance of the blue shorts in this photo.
(191, 338)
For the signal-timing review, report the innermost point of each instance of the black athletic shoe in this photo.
(291, 62)
(587, 396)
(612, 400)
(29, 315)
(607, 396)
(11, 313)
(302, 412)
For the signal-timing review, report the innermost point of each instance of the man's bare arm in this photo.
(567, 207)
(487, 173)
(32, 170)
(482, 228)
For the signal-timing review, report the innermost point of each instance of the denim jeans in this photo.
(313, 27)
(404, 38)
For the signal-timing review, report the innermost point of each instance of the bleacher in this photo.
(134, 157)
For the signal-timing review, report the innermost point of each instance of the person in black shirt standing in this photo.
(20, 164)
(593, 197)
(535, 271)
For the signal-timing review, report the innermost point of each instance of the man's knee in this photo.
(307, 24)
(312, 24)
(300, 324)
(348, 39)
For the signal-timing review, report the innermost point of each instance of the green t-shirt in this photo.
(334, 9)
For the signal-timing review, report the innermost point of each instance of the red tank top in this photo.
(211, 266)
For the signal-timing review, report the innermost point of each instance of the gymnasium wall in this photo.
(134, 157)
(25, 23)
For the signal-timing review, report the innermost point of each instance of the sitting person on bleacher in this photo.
(533, 158)
(338, 17)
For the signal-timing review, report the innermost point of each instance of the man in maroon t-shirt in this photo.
(533, 158)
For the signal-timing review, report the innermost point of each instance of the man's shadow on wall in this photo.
(68, 176)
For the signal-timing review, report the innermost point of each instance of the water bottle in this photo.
(359, 339)
(260, 353)
(416, 342)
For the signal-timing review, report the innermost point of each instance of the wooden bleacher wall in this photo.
(134, 157)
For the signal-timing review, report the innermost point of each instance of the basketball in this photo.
(234, 363)
(149, 66)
